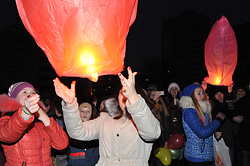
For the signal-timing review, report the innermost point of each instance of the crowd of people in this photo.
(127, 127)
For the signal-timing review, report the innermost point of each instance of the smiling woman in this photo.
(198, 125)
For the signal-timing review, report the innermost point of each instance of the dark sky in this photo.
(146, 31)
(147, 27)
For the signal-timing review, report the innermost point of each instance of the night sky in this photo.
(144, 38)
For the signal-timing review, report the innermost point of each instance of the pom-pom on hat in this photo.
(187, 91)
(172, 85)
(14, 89)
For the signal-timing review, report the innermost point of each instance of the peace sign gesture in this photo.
(128, 88)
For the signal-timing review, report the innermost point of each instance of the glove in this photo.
(220, 117)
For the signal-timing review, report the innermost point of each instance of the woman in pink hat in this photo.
(26, 132)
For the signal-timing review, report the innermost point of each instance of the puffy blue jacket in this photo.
(199, 140)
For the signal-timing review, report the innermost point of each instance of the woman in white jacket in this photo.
(123, 140)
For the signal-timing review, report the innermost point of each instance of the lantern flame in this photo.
(217, 80)
(88, 61)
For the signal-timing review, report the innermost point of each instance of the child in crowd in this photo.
(26, 132)
(84, 153)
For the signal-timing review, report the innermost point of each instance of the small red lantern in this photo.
(221, 53)
(81, 38)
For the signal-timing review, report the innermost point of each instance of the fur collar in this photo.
(111, 106)
(8, 104)
(187, 102)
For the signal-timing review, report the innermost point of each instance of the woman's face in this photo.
(152, 94)
(85, 114)
(24, 93)
(122, 100)
(174, 91)
(199, 94)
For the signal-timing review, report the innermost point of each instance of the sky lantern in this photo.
(221, 53)
(81, 38)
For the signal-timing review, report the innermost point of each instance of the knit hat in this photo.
(172, 85)
(152, 87)
(241, 87)
(85, 104)
(187, 91)
(213, 89)
(14, 89)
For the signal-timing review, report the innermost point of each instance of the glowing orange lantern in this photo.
(81, 38)
(221, 53)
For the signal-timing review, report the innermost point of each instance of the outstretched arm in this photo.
(64, 92)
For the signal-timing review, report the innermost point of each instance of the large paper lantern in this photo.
(81, 38)
(221, 53)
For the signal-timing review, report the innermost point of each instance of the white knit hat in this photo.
(172, 85)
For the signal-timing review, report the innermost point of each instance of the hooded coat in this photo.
(199, 140)
(26, 142)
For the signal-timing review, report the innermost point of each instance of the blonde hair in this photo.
(198, 108)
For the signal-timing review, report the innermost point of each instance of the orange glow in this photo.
(218, 80)
(88, 61)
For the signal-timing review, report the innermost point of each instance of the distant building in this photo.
(183, 40)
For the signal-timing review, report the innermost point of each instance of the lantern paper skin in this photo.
(221, 53)
(80, 37)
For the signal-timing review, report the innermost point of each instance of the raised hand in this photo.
(128, 89)
(64, 92)
(230, 88)
(31, 103)
(204, 85)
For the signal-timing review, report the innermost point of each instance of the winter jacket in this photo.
(122, 142)
(199, 140)
(228, 126)
(28, 143)
(243, 106)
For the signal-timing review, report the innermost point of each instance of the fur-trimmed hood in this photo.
(187, 102)
(8, 104)
(111, 106)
